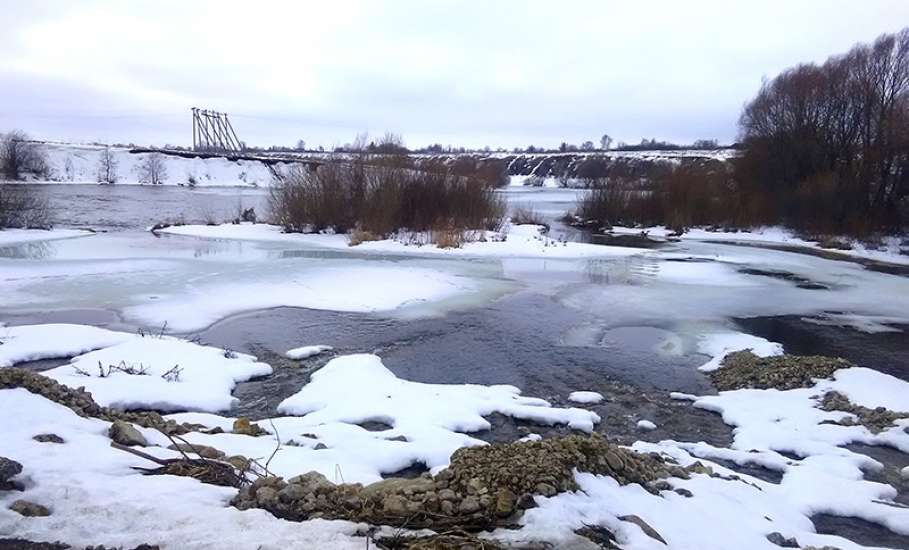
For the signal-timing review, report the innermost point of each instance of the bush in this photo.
(522, 216)
(382, 198)
(20, 156)
(22, 206)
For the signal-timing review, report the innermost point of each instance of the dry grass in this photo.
(358, 236)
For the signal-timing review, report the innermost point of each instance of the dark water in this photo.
(141, 206)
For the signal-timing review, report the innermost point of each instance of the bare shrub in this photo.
(152, 169)
(382, 197)
(107, 167)
(449, 237)
(523, 215)
(20, 156)
(23, 206)
(358, 236)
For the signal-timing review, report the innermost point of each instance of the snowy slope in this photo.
(70, 163)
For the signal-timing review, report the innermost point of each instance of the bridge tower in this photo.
(212, 131)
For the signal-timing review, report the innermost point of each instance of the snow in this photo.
(206, 378)
(905, 472)
(681, 396)
(307, 351)
(70, 163)
(719, 345)
(19, 236)
(646, 425)
(432, 417)
(35, 342)
(362, 288)
(96, 497)
(516, 241)
(890, 250)
(870, 388)
(586, 397)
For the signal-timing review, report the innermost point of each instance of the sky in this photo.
(502, 73)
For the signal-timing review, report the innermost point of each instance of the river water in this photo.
(627, 327)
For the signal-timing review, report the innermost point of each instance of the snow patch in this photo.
(307, 351)
(646, 425)
(586, 397)
(50, 341)
(721, 344)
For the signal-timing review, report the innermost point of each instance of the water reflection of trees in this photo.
(38, 250)
(621, 271)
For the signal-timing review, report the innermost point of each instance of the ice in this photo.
(307, 351)
(35, 342)
(646, 425)
(19, 236)
(721, 344)
(363, 288)
(161, 373)
(585, 397)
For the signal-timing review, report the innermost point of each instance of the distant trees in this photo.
(301, 145)
(587, 146)
(107, 167)
(605, 142)
(19, 156)
(826, 147)
(152, 169)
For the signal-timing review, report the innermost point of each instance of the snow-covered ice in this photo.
(719, 345)
(19, 236)
(585, 397)
(307, 351)
(516, 241)
(162, 373)
(35, 342)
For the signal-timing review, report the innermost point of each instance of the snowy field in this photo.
(350, 415)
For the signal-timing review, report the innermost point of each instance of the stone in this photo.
(779, 540)
(469, 505)
(125, 433)
(614, 461)
(243, 426)
(293, 491)
(684, 492)
(202, 450)
(447, 494)
(527, 502)
(313, 482)
(505, 502)
(648, 530)
(394, 505)
(398, 485)
(266, 495)
(743, 369)
(29, 509)
(239, 462)
(9, 468)
(49, 438)
(546, 489)
(447, 507)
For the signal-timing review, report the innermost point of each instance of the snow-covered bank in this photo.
(20, 236)
(513, 241)
(69, 163)
(893, 249)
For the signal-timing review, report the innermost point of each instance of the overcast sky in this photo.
(502, 73)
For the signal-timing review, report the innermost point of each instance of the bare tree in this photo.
(23, 206)
(587, 146)
(19, 155)
(605, 142)
(107, 167)
(153, 170)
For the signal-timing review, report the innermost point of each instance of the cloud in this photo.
(503, 73)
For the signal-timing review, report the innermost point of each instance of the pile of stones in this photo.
(743, 369)
(484, 487)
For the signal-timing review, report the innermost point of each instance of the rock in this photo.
(648, 530)
(125, 433)
(202, 450)
(243, 426)
(266, 495)
(313, 482)
(447, 494)
(546, 489)
(397, 485)
(239, 462)
(447, 507)
(292, 492)
(9, 468)
(743, 369)
(527, 502)
(320, 446)
(49, 438)
(469, 505)
(29, 509)
(505, 502)
(615, 463)
(779, 540)
(684, 492)
(394, 505)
